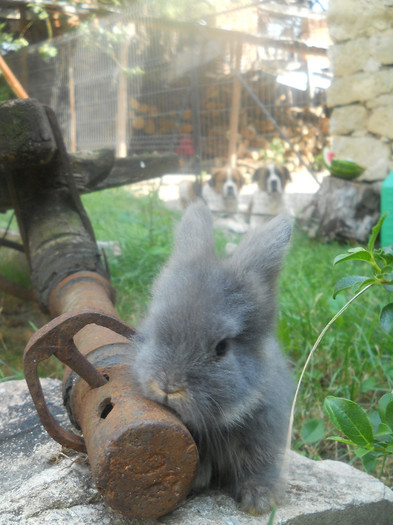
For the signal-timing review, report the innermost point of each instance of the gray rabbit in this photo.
(207, 350)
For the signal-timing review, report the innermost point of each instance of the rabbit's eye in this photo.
(221, 348)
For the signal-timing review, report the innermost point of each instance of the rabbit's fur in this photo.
(207, 350)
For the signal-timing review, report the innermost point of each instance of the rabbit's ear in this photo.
(262, 250)
(194, 235)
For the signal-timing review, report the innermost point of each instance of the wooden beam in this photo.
(122, 103)
(205, 31)
(99, 170)
(235, 107)
(71, 91)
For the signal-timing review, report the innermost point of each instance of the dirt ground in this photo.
(17, 321)
(18, 317)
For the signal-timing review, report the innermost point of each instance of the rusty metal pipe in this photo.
(143, 459)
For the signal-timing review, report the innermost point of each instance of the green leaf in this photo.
(375, 232)
(383, 430)
(361, 452)
(386, 254)
(369, 462)
(358, 287)
(386, 318)
(389, 415)
(341, 440)
(375, 419)
(348, 282)
(313, 430)
(359, 254)
(350, 419)
(384, 401)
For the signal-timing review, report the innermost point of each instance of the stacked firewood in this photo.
(307, 128)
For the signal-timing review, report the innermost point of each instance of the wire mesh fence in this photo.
(142, 85)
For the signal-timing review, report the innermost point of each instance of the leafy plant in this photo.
(373, 438)
(381, 261)
(108, 40)
(8, 41)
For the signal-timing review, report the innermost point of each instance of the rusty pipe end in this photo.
(143, 459)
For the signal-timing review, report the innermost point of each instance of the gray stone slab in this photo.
(36, 492)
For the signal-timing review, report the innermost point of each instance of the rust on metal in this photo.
(56, 338)
(143, 459)
(81, 290)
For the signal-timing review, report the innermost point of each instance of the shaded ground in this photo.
(18, 318)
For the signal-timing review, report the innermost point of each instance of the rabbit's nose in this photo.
(167, 391)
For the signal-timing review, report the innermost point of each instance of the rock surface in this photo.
(36, 491)
(361, 60)
(342, 210)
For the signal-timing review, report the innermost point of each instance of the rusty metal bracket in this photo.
(142, 458)
(56, 338)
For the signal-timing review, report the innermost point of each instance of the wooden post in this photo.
(11, 79)
(71, 88)
(310, 84)
(235, 108)
(24, 76)
(122, 104)
(196, 122)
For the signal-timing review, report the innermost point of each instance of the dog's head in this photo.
(272, 178)
(227, 182)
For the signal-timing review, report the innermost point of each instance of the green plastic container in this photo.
(387, 205)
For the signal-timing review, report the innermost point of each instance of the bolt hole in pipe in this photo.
(105, 408)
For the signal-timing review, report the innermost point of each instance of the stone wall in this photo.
(362, 90)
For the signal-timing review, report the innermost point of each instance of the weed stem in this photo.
(316, 344)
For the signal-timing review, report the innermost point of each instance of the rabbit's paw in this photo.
(203, 476)
(255, 498)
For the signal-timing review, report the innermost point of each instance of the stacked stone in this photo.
(362, 90)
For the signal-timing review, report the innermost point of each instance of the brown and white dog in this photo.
(220, 192)
(268, 200)
(221, 195)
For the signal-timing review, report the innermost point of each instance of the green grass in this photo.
(144, 229)
(354, 359)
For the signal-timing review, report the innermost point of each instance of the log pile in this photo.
(163, 122)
